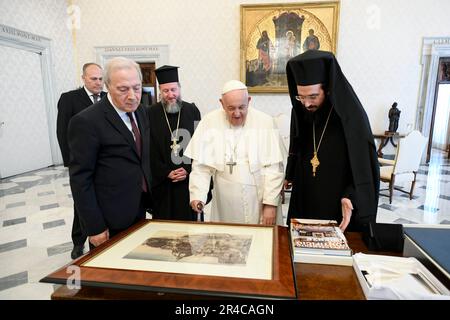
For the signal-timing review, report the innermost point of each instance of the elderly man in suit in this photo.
(110, 156)
(69, 104)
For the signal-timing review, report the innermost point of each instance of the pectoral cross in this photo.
(231, 164)
(175, 146)
(314, 163)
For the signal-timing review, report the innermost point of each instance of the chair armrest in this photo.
(386, 161)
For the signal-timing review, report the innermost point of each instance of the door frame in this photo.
(433, 49)
(23, 40)
(157, 54)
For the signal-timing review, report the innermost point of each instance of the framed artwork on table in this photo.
(271, 34)
(227, 260)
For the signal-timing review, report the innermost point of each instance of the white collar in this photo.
(90, 94)
(120, 112)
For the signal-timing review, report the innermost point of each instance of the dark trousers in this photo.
(78, 235)
(143, 206)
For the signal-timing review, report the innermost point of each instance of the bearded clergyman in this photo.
(172, 123)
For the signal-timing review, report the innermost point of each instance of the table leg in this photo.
(383, 143)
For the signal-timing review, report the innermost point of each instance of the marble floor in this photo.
(36, 211)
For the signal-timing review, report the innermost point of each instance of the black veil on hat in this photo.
(167, 74)
(316, 66)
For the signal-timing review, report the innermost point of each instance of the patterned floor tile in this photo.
(429, 209)
(49, 206)
(16, 204)
(46, 193)
(26, 179)
(60, 248)
(387, 207)
(407, 196)
(13, 280)
(404, 221)
(12, 222)
(9, 246)
(14, 190)
(7, 185)
(54, 224)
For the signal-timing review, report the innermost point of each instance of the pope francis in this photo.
(241, 149)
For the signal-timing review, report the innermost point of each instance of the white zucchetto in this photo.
(233, 85)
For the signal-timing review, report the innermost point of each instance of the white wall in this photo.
(45, 18)
(379, 44)
(383, 61)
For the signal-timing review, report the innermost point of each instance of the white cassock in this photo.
(257, 176)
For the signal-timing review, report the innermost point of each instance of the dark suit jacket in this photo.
(69, 104)
(105, 168)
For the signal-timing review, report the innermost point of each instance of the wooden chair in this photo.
(405, 165)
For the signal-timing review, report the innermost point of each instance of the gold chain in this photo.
(316, 150)
(168, 124)
(315, 159)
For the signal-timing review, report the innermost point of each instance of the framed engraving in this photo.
(192, 258)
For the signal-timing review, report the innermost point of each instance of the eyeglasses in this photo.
(310, 98)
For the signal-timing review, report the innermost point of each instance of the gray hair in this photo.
(119, 63)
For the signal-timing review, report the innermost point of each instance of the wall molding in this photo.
(159, 54)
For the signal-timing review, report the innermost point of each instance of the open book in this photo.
(319, 241)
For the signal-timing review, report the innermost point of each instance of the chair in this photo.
(405, 165)
(283, 123)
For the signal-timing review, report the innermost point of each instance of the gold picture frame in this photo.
(189, 258)
(271, 34)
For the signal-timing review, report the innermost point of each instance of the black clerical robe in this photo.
(349, 159)
(170, 200)
(319, 196)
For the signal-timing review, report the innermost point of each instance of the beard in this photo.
(320, 114)
(308, 116)
(174, 107)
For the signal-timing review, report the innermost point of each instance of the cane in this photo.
(200, 215)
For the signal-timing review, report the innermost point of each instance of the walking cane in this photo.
(200, 215)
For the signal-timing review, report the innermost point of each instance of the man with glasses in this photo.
(332, 165)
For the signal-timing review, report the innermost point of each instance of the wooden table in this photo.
(385, 138)
(314, 282)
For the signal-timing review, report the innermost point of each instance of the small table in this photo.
(385, 138)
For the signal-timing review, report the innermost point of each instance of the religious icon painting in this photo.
(274, 33)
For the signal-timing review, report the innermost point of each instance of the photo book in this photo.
(319, 241)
